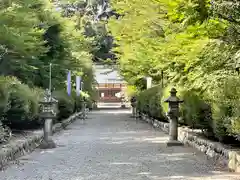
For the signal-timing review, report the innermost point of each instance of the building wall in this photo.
(109, 83)
(109, 90)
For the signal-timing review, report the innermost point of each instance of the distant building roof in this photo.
(107, 75)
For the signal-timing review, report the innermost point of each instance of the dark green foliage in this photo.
(4, 93)
(22, 108)
(226, 105)
(216, 114)
(20, 104)
(196, 113)
(92, 17)
(28, 47)
(141, 84)
(149, 102)
(197, 49)
(66, 104)
(33, 35)
(89, 103)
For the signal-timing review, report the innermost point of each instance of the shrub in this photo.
(79, 99)
(66, 104)
(22, 108)
(5, 84)
(149, 102)
(4, 93)
(226, 108)
(76, 101)
(195, 112)
(19, 104)
(216, 111)
(89, 101)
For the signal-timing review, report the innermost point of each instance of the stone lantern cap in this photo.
(173, 97)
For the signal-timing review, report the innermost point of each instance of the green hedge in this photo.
(19, 104)
(149, 102)
(66, 104)
(225, 103)
(217, 112)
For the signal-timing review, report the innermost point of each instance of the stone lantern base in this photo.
(50, 144)
(171, 143)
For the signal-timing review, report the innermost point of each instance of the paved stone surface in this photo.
(111, 105)
(111, 146)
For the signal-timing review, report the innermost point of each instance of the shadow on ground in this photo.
(112, 146)
(153, 157)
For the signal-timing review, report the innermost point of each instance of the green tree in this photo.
(194, 43)
(33, 36)
(91, 17)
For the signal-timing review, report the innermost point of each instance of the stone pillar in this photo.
(173, 115)
(133, 111)
(83, 109)
(134, 107)
(173, 129)
(47, 129)
(47, 142)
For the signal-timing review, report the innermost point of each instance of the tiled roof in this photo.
(110, 77)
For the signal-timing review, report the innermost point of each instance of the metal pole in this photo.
(50, 78)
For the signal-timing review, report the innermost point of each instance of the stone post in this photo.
(134, 107)
(123, 105)
(48, 114)
(173, 115)
(83, 108)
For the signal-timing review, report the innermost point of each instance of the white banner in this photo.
(78, 85)
(149, 82)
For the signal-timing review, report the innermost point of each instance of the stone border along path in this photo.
(112, 146)
(226, 157)
(24, 145)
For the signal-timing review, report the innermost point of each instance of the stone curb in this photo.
(25, 146)
(226, 157)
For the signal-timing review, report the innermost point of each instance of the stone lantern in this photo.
(48, 113)
(173, 115)
(84, 104)
(134, 106)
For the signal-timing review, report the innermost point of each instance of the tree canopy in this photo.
(176, 37)
(91, 17)
(195, 44)
(35, 34)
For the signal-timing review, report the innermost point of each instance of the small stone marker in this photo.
(134, 106)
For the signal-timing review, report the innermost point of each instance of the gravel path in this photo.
(112, 146)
